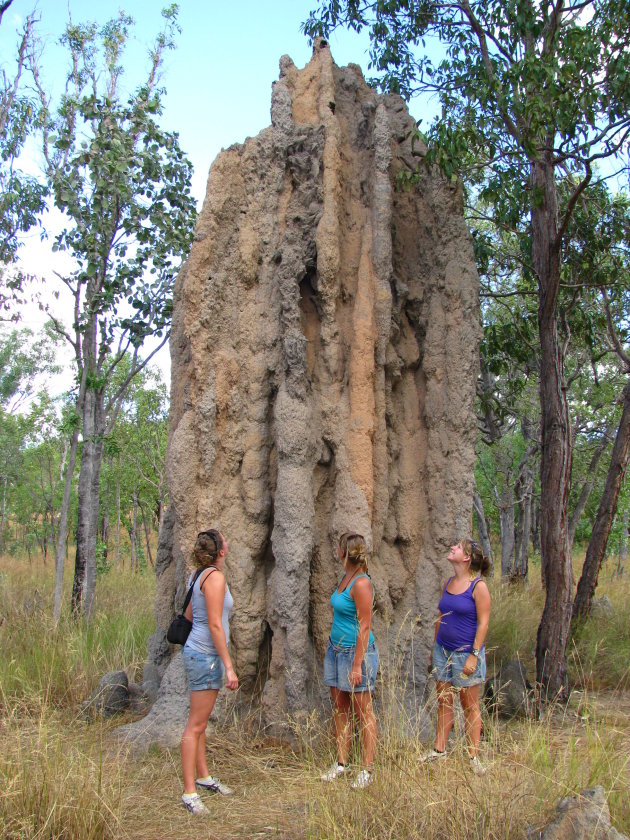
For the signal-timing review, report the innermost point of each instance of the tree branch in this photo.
(625, 358)
(485, 57)
(577, 192)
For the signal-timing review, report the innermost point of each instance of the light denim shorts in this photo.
(203, 670)
(448, 667)
(338, 664)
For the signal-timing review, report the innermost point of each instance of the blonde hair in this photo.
(207, 547)
(478, 561)
(354, 549)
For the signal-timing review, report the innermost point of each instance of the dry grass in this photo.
(63, 778)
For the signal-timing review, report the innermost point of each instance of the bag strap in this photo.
(190, 590)
(213, 569)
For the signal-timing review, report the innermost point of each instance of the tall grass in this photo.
(62, 777)
(599, 653)
(61, 664)
(55, 781)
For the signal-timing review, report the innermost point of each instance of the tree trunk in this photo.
(605, 515)
(523, 490)
(2, 512)
(117, 554)
(556, 453)
(535, 524)
(482, 526)
(623, 542)
(51, 519)
(161, 508)
(104, 537)
(587, 487)
(62, 530)
(506, 520)
(147, 535)
(49, 516)
(88, 504)
(133, 533)
(521, 551)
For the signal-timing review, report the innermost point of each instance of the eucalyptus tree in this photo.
(122, 184)
(24, 358)
(607, 508)
(21, 196)
(134, 469)
(508, 416)
(622, 554)
(36, 496)
(534, 96)
(595, 256)
(611, 272)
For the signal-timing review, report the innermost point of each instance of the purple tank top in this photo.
(459, 619)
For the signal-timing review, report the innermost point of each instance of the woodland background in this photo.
(534, 122)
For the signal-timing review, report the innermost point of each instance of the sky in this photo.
(218, 83)
(217, 80)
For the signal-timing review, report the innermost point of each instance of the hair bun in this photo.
(353, 548)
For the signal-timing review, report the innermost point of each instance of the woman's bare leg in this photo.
(194, 739)
(342, 718)
(444, 715)
(201, 762)
(362, 705)
(469, 698)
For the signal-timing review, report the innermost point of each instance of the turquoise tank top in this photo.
(345, 625)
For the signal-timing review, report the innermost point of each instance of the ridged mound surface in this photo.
(324, 356)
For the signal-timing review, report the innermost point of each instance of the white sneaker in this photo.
(192, 802)
(210, 783)
(477, 767)
(432, 755)
(334, 772)
(362, 780)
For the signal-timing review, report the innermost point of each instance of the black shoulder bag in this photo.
(180, 627)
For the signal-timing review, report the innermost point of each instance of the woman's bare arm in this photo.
(362, 594)
(213, 587)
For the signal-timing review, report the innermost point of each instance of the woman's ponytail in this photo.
(478, 560)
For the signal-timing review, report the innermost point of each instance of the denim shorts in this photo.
(203, 670)
(338, 664)
(448, 667)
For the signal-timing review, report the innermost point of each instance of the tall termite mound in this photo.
(324, 355)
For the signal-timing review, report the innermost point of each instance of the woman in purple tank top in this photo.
(458, 659)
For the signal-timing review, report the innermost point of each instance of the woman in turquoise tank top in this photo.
(351, 660)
